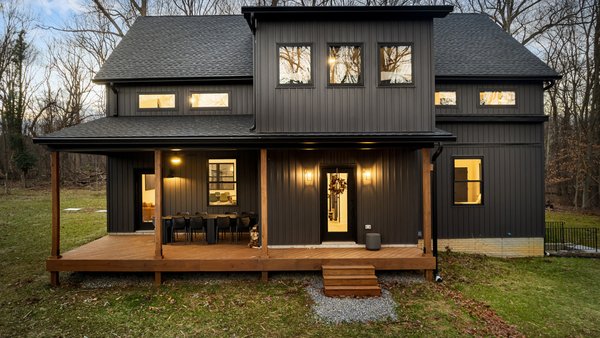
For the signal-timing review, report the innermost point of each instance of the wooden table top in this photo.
(206, 216)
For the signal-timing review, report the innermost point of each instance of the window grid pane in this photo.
(222, 185)
(156, 101)
(345, 64)
(468, 181)
(209, 100)
(497, 98)
(295, 65)
(446, 98)
(395, 64)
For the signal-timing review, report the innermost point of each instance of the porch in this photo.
(135, 253)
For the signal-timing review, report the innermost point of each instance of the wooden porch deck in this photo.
(135, 253)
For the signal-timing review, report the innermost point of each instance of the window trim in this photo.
(484, 106)
(481, 180)
(412, 65)
(157, 93)
(439, 106)
(311, 84)
(208, 182)
(361, 83)
(210, 91)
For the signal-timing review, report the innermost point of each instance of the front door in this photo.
(144, 199)
(338, 199)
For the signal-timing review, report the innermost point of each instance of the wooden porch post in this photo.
(158, 231)
(426, 168)
(264, 224)
(55, 178)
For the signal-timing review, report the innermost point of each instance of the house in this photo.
(325, 124)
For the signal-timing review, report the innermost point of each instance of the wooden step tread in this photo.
(352, 281)
(350, 277)
(347, 267)
(353, 287)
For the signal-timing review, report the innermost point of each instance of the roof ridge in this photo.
(192, 16)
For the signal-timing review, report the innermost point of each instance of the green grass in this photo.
(573, 219)
(480, 296)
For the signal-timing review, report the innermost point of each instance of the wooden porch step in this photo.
(350, 280)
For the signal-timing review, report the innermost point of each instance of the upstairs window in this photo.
(209, 100)
(156, 101)
(497, 98)
(295, 65)
(395, 64)
(445, 98)
(222, 182)
(468, 181)
(345, 64)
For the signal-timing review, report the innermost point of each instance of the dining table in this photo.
(211, 226)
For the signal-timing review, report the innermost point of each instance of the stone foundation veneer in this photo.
(497, 247)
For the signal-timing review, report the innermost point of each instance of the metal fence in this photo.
(561, 238)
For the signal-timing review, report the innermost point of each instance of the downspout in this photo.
(549, 85)
(434, 222)
(116, 92)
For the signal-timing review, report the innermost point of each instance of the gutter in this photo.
(550, 84)
(434, 221)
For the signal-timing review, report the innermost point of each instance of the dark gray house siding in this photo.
(240, 99)
(185, 192)
(390, 203)
(367, 108)
(513, 181)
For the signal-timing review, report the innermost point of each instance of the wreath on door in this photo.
(337, 185)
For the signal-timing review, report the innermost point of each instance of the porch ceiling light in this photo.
(175, 160)
(366, 175)
(308, 177)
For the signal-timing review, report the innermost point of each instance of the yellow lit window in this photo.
(156, 101)
(497, 98)
(210, 100)
(222, 182)
(445, 98)
(468, 181)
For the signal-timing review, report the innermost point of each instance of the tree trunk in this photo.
(587, 181)
(576, 197)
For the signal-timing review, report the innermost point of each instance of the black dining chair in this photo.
(223, 225)
(178, 224)
(243, 225)
(197, 225)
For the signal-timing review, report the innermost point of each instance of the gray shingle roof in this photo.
(182, 47)
(473, 45)
(178, 47)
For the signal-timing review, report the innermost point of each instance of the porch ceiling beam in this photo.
(55, 195)
(158, 183)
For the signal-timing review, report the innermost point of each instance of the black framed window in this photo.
(157, 101)
(209, 100)
(345, 66)
(222, 182)
(468, 181)
(498, 98)
(445, 98)
(295, 64)
(395, 64)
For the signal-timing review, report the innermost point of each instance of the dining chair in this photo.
(223, 225)
(243, 225)
(197, 225)
(178, 225)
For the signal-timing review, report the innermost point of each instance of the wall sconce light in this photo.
(366, 176)
(308, 177)
(175, 160)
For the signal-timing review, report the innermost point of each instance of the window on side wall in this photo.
(395, 65)
(209, 100)
(445, 98)
(468, 181)
(156, 101)
(295, 65)
(497, 98)
(344, 65)
(222, 182)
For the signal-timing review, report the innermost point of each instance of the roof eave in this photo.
(221, 79)
(498, 77)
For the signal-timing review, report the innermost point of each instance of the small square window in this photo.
(295, 65)
(209, 100)
(156, 101)
(344, 64)
(497, 98)
(446, 98)
(395, 65)
(468, 181)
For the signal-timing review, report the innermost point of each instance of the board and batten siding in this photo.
(240, 100)
(390, 203)
(513, 181)
(320, 108)
(185, 192)
(529, 98)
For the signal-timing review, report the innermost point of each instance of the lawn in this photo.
(480, 296)
(573, 219)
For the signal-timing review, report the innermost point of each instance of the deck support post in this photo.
(264, 276)
(55, 178)
(158, 183)
(263, 205)
(157, 278)
(426, 168)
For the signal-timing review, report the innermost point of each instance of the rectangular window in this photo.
(468, 181)
(395, 64)
(156, 101)
(209, 100)
(345, 64)
(222, 182)
(445, 98)
(497, 98)
(295, 65)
